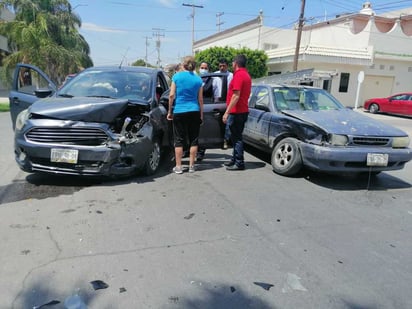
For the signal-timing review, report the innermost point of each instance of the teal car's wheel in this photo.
(286, 158)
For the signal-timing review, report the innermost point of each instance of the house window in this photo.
(327, 85)
(269, 46)
(344, 82)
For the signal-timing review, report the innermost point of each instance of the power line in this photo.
(299, 36)
(158, 33)
(219, 23)
(193, 21)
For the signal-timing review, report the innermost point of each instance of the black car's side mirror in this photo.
(43, 93)
(164, 99)
(165, 102)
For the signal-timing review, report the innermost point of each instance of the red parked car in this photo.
(399, 104)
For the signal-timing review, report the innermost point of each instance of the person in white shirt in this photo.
(223, 68)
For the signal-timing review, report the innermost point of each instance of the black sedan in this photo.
(306, 127)
(107, 121)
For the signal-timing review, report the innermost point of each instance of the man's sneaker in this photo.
(235, 168)
(177, 170)
(225, 145)
(229, 163)
(191, 169)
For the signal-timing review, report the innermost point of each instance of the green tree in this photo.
(141, 63)
(45, 33)
(256, 59)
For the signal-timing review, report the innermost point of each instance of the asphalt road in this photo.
(212, 239)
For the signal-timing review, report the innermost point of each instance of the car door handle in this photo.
(15, 100)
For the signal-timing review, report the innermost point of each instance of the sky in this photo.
(121, 32)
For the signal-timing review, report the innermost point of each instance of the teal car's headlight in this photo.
(21, 119)
(400, 142)
(338, 140)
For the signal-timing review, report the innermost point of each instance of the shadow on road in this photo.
(40, 295)
(364, 181)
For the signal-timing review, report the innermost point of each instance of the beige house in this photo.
(338, 50)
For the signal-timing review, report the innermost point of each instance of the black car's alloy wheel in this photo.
(286, 157)
(153, 161)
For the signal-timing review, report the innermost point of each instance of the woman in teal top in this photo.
(186, 93)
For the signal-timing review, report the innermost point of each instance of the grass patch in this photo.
(4, 107)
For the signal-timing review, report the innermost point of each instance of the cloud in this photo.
(167, 3)
(97, 28)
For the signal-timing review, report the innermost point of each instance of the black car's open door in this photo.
(212, 129)
(29, 85)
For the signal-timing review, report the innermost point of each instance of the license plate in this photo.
(377, 159)
(64, 155)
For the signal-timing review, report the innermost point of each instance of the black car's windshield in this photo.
(290, 98)
(110, 84)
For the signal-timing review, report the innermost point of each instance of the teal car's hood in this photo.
(347, 122)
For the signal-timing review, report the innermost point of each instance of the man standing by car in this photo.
(223, 65)
(237, 111)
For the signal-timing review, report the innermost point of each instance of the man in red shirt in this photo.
(237, 110)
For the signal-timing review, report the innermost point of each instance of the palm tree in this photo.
(45, 33)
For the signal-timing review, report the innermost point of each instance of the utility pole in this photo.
(158, 33)
(147, 45)
(193, 21)
(218, 23)
(299, 36)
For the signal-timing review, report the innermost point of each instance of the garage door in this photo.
(376, 87)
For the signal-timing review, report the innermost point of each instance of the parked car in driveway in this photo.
(398, 104)
(107, 121)
(303, 126)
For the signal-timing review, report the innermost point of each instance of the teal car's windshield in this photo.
(296, 98)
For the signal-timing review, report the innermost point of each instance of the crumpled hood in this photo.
(347, 122)
(80, 108)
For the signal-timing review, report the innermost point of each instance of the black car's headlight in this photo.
(21, 119)
(338, 140)
(400, 142)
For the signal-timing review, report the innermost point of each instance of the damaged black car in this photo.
(106, 121)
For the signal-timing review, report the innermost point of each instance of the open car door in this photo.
(29, 85)
(212, 130)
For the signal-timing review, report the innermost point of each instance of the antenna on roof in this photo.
(124, 57)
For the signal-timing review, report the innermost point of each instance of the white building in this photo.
(337, 49)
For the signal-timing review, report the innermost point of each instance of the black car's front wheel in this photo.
(286, 158)
(153, 161)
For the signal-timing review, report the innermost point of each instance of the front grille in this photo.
(370, 141)
(68, 136)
